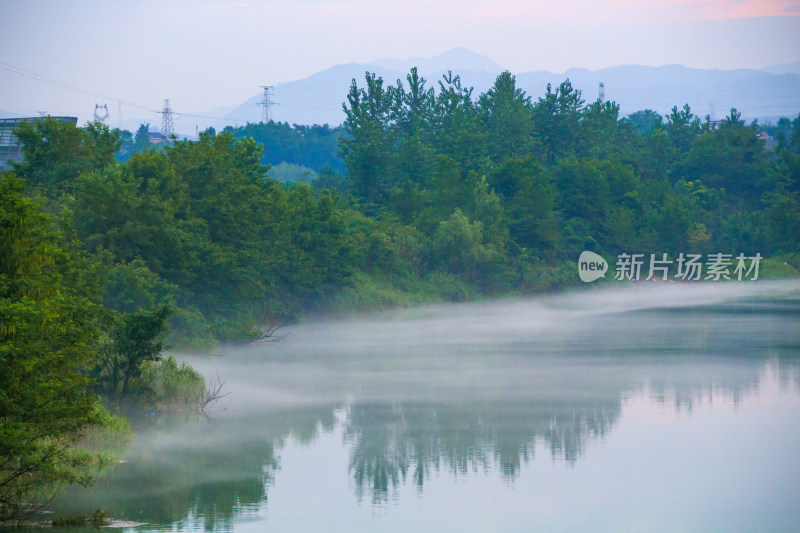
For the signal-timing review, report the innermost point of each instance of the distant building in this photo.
(10, 147)
(157, 138)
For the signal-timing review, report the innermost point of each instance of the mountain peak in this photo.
(456, 59)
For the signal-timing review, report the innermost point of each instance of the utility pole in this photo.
(167, 127)
(266, 103)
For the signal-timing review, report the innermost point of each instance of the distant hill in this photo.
(784, 68)
(760, 94)
(755, 93)
(313, 100)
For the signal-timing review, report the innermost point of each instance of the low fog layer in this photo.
(495, 348)
(403, 398)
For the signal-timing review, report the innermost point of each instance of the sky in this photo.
(204, 54)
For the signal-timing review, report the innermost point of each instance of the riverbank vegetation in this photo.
(424, 194)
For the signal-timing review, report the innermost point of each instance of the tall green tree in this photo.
(412, 116)
(645, 121)
(366, 147)
(48, 326)
(557, 118)
(141, 141)
(55, 153)
(507, 119)
(731, 157)
(682, 127)
(135, 339)
(601, 132)
(141, 209)
(457, 125)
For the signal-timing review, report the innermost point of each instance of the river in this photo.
(649, 408)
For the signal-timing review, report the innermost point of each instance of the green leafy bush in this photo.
(172, 386)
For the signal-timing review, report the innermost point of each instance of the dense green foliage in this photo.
(423, 194)
(59, 347)
(545, 180)
(443, 194)
(134, 341)
(48, 322)
(229, 247)
(314, 147)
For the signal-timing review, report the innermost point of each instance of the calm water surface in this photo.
(663, 408)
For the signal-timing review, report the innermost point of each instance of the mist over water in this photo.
(656, 407)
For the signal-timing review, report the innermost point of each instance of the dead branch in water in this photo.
(212, 394)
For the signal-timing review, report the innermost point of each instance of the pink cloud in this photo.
(582, 12)
(713, 9)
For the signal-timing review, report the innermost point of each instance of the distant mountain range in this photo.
(763, 94)
(784, 68)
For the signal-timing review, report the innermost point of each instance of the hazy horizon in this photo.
(217, 53)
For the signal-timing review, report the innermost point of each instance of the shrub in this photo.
(172, 386)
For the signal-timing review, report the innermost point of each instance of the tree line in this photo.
(549, 178)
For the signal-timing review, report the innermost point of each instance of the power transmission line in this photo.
(38, 77)
(75, 88)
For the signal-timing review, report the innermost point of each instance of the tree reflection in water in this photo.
(393, 441)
